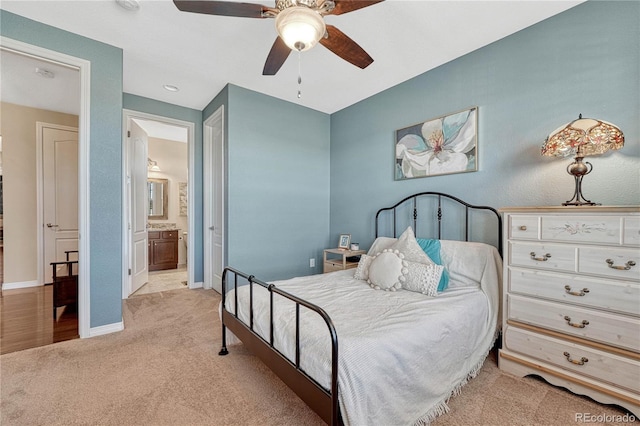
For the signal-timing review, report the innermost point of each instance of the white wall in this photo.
(18, 129)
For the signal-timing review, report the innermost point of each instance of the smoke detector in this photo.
(130, 5)
(45, 73)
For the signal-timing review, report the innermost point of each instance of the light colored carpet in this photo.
(163, 369)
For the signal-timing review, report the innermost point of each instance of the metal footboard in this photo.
(324, 402)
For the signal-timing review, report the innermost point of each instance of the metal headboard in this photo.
(460, 204)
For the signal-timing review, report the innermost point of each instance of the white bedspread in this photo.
(401, 354)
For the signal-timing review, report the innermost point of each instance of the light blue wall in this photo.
(585, 60)
(296, 178)
(105, 160)
(163, 109)
(277, 185)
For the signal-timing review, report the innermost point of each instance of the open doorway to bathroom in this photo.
(157, 188)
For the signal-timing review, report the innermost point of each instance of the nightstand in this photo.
(336, 259)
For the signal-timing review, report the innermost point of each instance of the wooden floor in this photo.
(26, 319)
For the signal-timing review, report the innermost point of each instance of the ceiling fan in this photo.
(300, 25)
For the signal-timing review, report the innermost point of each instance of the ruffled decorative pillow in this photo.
(408, 246)
(387, 270)
(422, 278)
(362, 271)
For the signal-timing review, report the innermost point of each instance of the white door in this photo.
(59, 195)
(139, 262)
(213, 152)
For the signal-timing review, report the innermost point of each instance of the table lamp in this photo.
(582, 137)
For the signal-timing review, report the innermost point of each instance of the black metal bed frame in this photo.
(467, 207)
(324, 402)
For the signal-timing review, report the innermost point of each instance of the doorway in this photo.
(214, 199)
(57, 166)
(47, 86)
(158, 156)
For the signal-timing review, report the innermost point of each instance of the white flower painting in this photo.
(440, 146)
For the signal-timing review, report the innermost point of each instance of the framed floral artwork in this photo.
(440, 146)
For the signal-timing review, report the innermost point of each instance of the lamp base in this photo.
(578, 170)
(580, 203)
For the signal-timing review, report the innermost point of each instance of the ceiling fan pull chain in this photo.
(299, 74)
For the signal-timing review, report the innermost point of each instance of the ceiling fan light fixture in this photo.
(300, 27)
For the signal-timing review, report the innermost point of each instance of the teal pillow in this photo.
(432, 249)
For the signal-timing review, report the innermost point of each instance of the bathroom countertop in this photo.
(162, 227)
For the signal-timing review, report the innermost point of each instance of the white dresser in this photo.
(571, 299)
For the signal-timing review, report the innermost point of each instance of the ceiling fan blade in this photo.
(347, 49)
(345, 6)
(278, 54)
(222, 8)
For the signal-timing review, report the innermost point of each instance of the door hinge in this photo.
(129, 271)
(128, 133)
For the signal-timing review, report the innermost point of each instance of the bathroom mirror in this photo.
(157, 189)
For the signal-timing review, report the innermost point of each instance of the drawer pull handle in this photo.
(583, 324)
(583, 292)
(523, 227)
(626, 267)
(541, 259)
(573, 361)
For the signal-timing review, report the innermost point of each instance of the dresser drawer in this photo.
(618, 296)
(584, 229)
(611, 262)
(545, 256)
(616, 330)
(614, 369)
(523, 227)
(631, 231)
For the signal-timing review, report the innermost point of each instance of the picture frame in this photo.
(182, 198)
(344, 241)
(439, 146)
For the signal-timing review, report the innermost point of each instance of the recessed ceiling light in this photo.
(131, 5)
(171, 88)
(45, 73)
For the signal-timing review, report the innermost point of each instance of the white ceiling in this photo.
(22, 85)
(202, 53)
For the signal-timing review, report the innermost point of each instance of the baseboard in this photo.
(21, 284)
(197, 285)
(106, 329)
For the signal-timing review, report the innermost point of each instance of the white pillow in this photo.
(408, 246)
(423, 278)
(387, 270)
(362, 271)
(380, 244)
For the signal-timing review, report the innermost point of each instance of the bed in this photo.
(357, 354)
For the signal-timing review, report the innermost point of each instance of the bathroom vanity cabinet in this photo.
(163, 250)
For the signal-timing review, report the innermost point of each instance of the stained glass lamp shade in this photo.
(582, 137)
